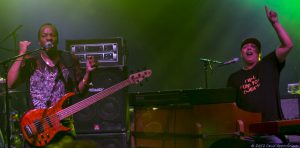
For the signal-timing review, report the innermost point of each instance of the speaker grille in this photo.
(108, 114)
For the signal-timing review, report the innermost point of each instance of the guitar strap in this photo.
(67, 61)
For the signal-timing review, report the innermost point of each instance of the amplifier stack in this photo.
(105, 122)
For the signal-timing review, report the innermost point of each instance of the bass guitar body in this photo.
(39, 126)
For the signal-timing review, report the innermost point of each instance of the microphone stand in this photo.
(207, 63)
(7, 103)
(14, 35)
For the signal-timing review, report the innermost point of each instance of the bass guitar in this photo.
(39, 126)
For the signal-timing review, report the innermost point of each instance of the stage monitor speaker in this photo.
(108, 114)
(105, 140)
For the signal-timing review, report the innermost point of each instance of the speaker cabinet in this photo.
(105, 140)
(108, 114)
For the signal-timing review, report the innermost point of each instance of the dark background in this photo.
(168, 36)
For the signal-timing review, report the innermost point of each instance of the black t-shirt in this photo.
(258, 88)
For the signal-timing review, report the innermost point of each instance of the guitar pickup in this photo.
(39, 126)
(28, 131)
(49, 121)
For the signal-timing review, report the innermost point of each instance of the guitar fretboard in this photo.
(91, 100)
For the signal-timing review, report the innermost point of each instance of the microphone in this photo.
(209, 60)
(48, 45)
(234, 60)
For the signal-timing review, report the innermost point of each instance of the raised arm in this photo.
(91, 65)
(14, 71)
(286, 42)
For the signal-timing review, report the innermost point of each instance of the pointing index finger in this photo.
(267, 10)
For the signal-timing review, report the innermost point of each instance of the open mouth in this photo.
(249, 53)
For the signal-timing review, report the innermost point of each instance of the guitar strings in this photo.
(65, 113)
(62, 114)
